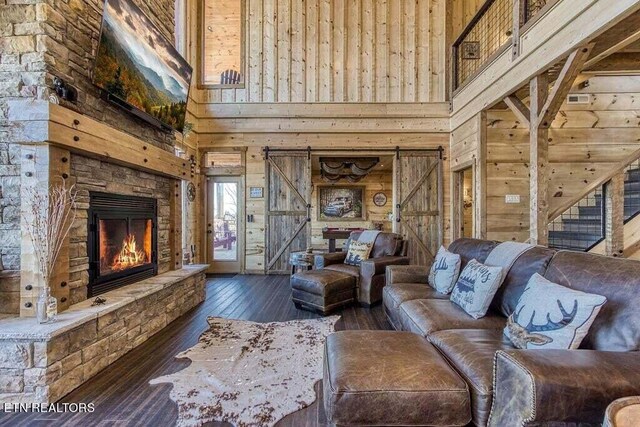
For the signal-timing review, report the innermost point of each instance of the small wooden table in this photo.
(302, 260)
(332, 234)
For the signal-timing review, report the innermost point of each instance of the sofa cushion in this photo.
(425, 316)
(358, 252)
(469, 249)
(351, 270)
(617, 326)
(476, 287)
(390, 378)
(550, 316)
(396, 294)
(535, 260)
(471, 352)
(444, 271)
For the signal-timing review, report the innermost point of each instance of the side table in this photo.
(302, 260)
(624, 412)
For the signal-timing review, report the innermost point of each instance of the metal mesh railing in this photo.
(487, 33)
(632, 191)
(532, 7)
(580, 227)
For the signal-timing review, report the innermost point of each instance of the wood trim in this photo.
(531, 22)
(78, 133)
(486, 65)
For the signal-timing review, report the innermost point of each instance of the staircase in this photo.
(583, 226)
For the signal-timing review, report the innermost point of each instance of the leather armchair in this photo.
(545, 386)
(389, 249)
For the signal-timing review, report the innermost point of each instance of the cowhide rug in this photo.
(250, 374)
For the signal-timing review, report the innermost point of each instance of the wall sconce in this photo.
(65, 90)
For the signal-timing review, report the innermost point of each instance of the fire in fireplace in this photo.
(122, 236)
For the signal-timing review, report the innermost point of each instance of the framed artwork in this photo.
(341, 203)
(256, 192)
(471, 50)
(380, 199)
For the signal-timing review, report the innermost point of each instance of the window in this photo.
(217, 159)
(223, 41)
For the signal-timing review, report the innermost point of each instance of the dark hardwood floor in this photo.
(121, 393)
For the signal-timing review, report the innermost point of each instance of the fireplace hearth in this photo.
(121, 241)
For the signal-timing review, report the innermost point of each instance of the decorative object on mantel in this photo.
(191, 191)
(98, 301)
(248, 373)
(352, 169)
(47, 220)
(187, 128)
(65, 90)
(380, 199)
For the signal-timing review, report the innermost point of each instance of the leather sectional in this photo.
(510, 387)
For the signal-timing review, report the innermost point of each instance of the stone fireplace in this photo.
(122, 241)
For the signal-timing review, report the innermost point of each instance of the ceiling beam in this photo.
(632, 38)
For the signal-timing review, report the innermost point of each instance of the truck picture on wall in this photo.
(340, 203)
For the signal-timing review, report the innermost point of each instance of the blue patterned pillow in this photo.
(444, 271)
(549, 315)
(475, 288)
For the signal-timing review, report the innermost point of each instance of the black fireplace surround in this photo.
(122, 241)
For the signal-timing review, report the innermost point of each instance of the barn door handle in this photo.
(308, 212)
(398, 212)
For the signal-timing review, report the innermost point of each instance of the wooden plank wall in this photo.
(342, 51)
(374, 182)
(585, 142)
(340, 137)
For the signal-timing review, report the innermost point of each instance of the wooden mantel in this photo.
(50, 123)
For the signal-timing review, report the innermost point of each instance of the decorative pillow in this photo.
(475, 288)
(444, 271)
(358, 251)
(552, 316)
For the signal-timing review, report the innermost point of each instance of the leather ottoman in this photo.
(390, 378)
(322, 290)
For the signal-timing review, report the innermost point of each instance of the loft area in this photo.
(272, 212)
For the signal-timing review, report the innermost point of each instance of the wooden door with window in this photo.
(288, 208)
(419, 199)
(225, 224)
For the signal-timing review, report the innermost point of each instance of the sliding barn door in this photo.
(288, 208)
(419, 199)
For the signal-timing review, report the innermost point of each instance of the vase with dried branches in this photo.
(48, 220)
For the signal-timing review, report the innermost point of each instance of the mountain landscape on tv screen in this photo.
(138, 65)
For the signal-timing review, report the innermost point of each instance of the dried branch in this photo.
(49, 220)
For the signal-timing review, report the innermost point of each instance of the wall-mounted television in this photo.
(139, 69)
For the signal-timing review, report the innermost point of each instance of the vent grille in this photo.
(122, 203)
(578, 99)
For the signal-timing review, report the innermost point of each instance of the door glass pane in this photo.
(225, 221)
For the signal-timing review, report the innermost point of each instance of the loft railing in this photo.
(489, 33)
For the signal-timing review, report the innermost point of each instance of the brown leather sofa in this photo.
(388, 249)
(511, 387)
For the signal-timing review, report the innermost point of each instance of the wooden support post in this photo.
(543, 110)
(42, 166)
(480, 176)
(538, 166)
(175, 230)
(614, 216)
(518, 22)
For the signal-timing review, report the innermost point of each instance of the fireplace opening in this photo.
(122, 241)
